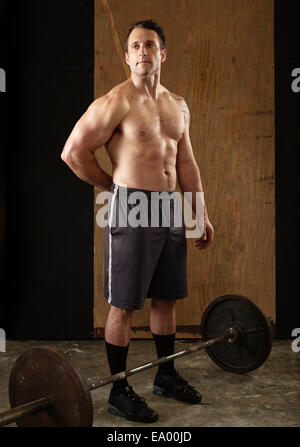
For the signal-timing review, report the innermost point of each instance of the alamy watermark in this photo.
(2, 80)
(123, 208)
(2, 340)
(296, 342)
(296, 82)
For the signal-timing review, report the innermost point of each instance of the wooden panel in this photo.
(222, 54)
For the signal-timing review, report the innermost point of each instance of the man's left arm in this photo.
(189, 179)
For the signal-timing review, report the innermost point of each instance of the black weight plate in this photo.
(251, 350)
(47, 372)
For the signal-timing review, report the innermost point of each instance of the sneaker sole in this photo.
(165, 393)
(117, 412)
(160, 391)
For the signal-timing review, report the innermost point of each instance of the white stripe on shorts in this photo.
(110, 240)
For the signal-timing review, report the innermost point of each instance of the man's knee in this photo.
(163, 304)
(121, 313)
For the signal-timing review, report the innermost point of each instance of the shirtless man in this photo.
(145, 130)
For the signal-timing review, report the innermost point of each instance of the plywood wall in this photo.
(221, 60)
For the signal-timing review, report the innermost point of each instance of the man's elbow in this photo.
(68, 154)
(63, 157)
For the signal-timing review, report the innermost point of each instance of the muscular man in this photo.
(145, 130)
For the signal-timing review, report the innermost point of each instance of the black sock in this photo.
(117, 356)
(164, 347)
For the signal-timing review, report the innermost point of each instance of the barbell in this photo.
(46, 389)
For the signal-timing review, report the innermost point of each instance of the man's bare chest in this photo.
(148, 121)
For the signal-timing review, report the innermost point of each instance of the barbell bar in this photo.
(46, 389)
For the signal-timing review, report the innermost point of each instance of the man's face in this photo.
(144, 54)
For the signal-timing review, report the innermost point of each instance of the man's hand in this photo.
(207, 237)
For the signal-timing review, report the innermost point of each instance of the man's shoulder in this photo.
(120, 90)
(177, 97)
(180, 101)
(118, 95)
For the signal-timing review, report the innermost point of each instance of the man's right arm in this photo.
(91, 132)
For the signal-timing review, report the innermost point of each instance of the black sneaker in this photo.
(127, 404)
(175, 386)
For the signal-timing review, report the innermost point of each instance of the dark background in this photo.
(287, 145)
(47, 50)
(49, 224)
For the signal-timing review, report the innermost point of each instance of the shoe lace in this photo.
(133, 396)
(183, 384)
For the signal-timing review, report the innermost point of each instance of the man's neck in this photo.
(149, 85)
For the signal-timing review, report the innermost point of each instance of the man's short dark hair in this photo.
(148, 24)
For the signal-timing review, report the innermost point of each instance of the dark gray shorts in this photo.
(143, 261)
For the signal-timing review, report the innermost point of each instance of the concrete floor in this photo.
(266, 397)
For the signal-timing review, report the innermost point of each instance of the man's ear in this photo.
(127, 58)
(163, 55)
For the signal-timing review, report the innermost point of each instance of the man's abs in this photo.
(151, 168)
(162, 181)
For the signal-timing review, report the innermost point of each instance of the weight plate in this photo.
(47, 372)
(254, 342)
